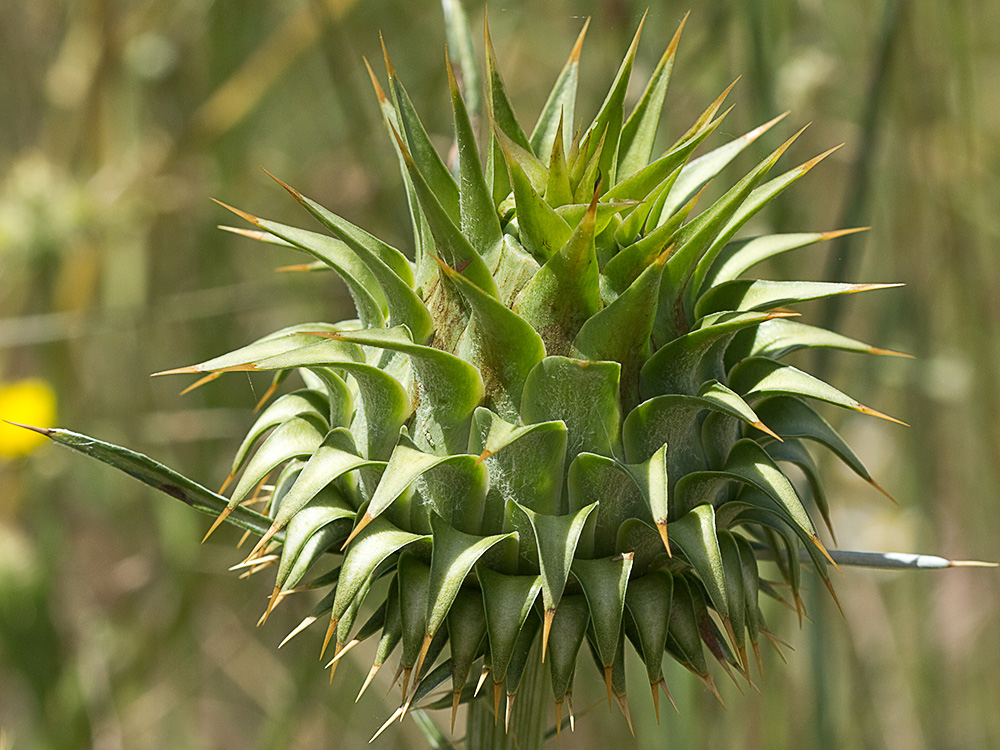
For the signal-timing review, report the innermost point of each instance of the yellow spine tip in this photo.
(221, 517)
(623, 707)
(423, 652)
(482, 679)
(497, 686)
(368, 680)
(365, 520)
(574, 56)
(407, 671)
(764, 428)
(874, 413)
(661, 527)
(550, 615)
(666, 691)
(330, 630)
(242, 214)
(272, 602)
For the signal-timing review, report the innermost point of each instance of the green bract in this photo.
(564, 422)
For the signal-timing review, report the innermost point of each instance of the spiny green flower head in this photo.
(563, 425)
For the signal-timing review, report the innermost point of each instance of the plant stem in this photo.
(485, 731)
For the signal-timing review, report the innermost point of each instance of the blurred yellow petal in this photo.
(31, 402)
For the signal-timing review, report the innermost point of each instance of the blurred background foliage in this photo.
(121, 117)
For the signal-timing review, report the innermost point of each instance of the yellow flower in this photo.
(32, 402)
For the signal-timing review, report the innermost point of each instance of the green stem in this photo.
(485, 731)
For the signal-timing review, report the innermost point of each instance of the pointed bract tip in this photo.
(423, 652)
(722, 97)
(729, 672)
(728, 625)
(546, 629)
(497, 686)
(725, 113)
(344, 651)
(242, 214)
(271, 390)
(676, 39)
(488, 41)
(379, 91)
(765, 429)
(664, 256)
(745, 659)
(253, 234)
(403, 150)
(510, 706)
(330, 630)
(777, 153)
(450, 71)
(388, 723)
(298, 629)
(456, 697)
(706, 117)
(833, 595)
(710, 684)
(255, 565)
(972, 564)
(607, 685)
(365, 520)
(407, 671)
(666, 691)
(661, 527)
(292, 191)
(559, 711)
(395, 679)
(693, 201)
(873, 287)
(333, 667)
(829, 526)
(774, 314)
(756, 656)
(574, 56)
(189, 370)
(874, 413)
(368, 680)
(835, 233)
(638, 30)
(409, 700)
(881, 489)
(817, 159)
(591, 213)
(655, 688)
(272, 602)
(40, 430)
(389, 68)
(482, 679)
(200, 382)
(222, 517)
(889, 352)
(758, 131)
(271, 531)
(623, 707)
